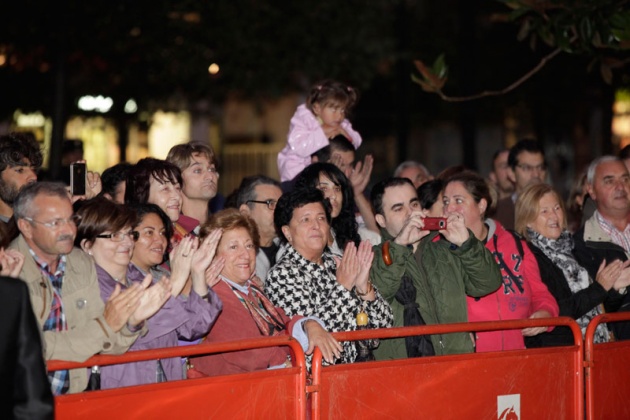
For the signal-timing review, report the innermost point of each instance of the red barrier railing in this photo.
(270, 393)
(472, 384)
(606, 372)
(545, 383)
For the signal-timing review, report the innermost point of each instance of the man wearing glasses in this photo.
(527, 165)
(63, 286)
(257, 198)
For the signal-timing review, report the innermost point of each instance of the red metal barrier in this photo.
(607, 373)
(265, 394)
(535, 383)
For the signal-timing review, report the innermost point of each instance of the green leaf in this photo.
(440, 69)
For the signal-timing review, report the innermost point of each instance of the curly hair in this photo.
(292, 200)
(230, 219)
(345, 224)
(15, 147)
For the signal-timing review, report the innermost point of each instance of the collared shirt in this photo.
(621, 238)
(56, 321)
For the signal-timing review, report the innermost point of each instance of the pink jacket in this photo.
(305, 138)
(519, 297)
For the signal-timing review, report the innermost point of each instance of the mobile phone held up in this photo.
(77, 178)
(434, 223)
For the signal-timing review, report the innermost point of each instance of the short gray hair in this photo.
(410, 164)
(247, 189)
(590, 172)
(24, 201)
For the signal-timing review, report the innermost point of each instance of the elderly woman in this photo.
(108, 232)
(247, 312)
(309, 281)
(541, 219)
(523, 294)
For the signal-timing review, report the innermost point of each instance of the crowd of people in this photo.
(144, 260)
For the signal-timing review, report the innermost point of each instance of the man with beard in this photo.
(200, 177)
(606, 235)
(20, 159)
(63, 287)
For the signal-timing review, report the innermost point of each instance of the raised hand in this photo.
(202, 259)
(365, 255)
(212, 273)
(623, 279)
(121, 305)
(456, 231)
(348, 266)
(360, 175)
(11, 262)
(412, 230)
(181, 258)
(152, 299)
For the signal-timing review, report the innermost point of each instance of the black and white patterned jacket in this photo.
(301, 287)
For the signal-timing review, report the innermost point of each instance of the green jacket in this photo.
(446, 275)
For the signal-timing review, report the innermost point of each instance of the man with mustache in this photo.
(20, 159)
(200, 177)
(63, 287)
(606, 235)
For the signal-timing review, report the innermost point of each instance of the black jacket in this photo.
(571, 304)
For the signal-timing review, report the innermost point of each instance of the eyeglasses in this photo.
(120, 236)
(271, 204)
(57, 223)
(530, 168)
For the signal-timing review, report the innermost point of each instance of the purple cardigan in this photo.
(185, 318)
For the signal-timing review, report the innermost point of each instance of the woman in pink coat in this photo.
(523, 294)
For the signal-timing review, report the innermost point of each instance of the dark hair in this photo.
(14, 147)
(23, 204)
(139, 176)
(495, 155)
(378, 191)
(339, 143)
(247, 189)
(474, 184)
(429, 193)
(328, 91)
(525, 145)
(99, 215)
(113, 176)
(298, 197)
(345, 224)
(142, 210)
(230, 219)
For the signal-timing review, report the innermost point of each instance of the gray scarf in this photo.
(559, 252)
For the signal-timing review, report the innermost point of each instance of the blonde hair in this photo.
(528, 204)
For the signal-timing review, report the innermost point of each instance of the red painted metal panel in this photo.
(540, 383)
(266, 394)
(607, 373)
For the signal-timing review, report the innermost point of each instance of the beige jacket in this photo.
(88, 333)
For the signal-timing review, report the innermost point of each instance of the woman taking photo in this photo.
(309, 281)
(108, 232)
(247, 312)
(523, 294)
(541, 220)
